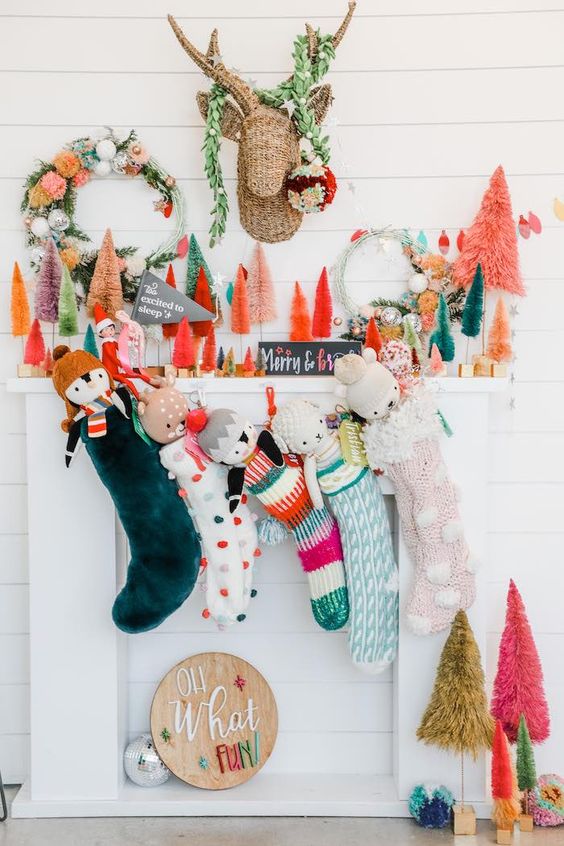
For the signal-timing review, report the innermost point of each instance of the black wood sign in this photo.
(305, 358)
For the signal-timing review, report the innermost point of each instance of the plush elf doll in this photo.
(229, 542)
(256, 462)
(402, 438)
(164, 563)
(358, 505)
(106, 329)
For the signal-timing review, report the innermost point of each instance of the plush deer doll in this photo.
(269, 148)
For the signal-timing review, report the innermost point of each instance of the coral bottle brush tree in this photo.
(505, 808)
(300, 319)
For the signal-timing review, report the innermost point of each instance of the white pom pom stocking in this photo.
(229, 541)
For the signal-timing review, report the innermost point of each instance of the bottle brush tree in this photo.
(34, 351)
(492, 242)
(262, 298)
(90, 344)
(220, 359)
(505, 808)
(248, 363)
(499, 336)
(68, 309)
(300, 320)
(323, 308)
(526, 769)
(203, 297)
(457, 717)
(209, 353)
(170, 329)
(473, 311)
(411, 338)
(372, 338)
(442, 335)
(518, 685)
(105, 286)
(183, 352)
(436, 364)
(19, 305)
(48, 284)
(240, 320)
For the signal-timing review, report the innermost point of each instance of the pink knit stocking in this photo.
(433, 532)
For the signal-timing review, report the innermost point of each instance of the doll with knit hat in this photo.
(256, 463)
(106, 329)
(87, 390)
(164, 564)
(401, 436)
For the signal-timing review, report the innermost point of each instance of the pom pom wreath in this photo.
(430, 805)
(34, 351)
(170, 329)
(68, 309)
(442, 335)
(105, 286)
(203, 297)
(547, 801)
(271, 531)
(38, 197)
(209, 352)
(518, 686)
(300, 320)
(457, 717)
(474, 306)
(492, 242)
(48, 285)
(373, 339)
(240, 320)
(90, 344)
(311, 187)
(499, 343)
(19, 304)
(262, 299)
(183, 350)
(323, 309)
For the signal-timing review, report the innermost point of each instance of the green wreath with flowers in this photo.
(50, 197)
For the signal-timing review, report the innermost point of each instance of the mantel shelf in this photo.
(282, 384)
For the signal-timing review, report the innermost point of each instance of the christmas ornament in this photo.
(142, 763)
(58, 220)
(311, 187)
(337, 321)
(391, 316)
(105, 149)
(36, 256)
(119, 162)
(414, 320)
(40, 227)
(417, 283)
(524, 227)
(444, 243)
(422, 240)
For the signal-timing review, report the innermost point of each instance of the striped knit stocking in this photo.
(284, 495)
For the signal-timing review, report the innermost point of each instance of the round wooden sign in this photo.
(214, 720)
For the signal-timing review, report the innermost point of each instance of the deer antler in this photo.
(242, 93)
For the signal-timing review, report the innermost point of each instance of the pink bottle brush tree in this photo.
(518, 686)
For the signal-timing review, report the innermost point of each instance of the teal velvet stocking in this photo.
(165, 550)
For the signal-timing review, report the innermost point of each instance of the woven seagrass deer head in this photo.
(268, 126)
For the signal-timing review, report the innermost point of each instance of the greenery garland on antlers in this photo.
(292, 94)
(49, 205)
(432, 271)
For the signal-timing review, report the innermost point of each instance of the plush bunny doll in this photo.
(358, 505)
(229, 542)
(163, 566)
(256, 462)
(401, 436)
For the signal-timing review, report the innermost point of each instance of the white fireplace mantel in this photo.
(79, 660)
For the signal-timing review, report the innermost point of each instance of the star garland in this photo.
(293, 94)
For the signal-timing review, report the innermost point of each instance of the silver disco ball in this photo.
(142, 764)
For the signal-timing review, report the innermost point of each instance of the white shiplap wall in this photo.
(430, 96)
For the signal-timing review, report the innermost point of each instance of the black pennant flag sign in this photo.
(157, 302)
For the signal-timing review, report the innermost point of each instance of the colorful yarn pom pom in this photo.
(271, 531)
(430, 805)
